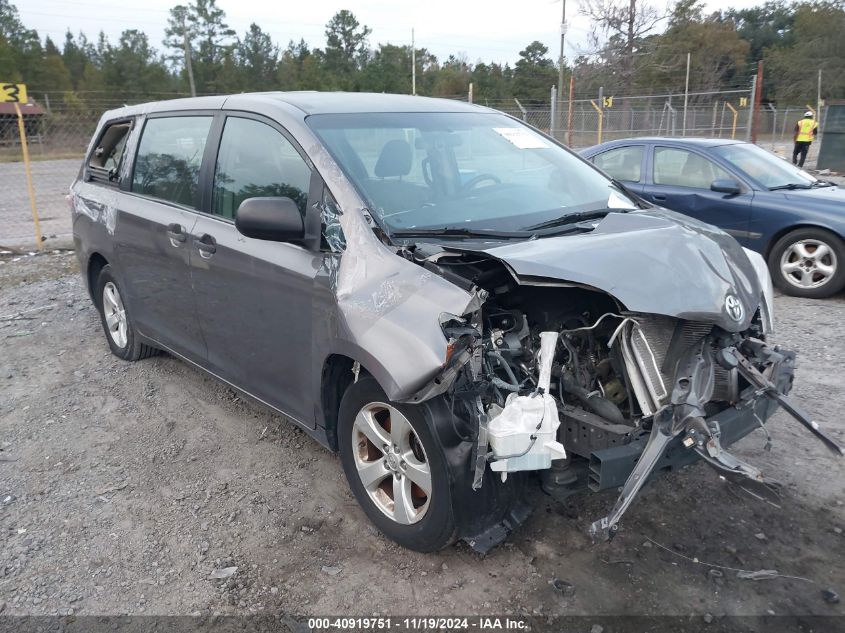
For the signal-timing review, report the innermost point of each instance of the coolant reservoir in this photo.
(524, 417)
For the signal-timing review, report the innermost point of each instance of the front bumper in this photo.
(611, 467)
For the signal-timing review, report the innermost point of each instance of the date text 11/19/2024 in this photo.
(418, 623)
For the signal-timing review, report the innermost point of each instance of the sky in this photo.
(489, 30)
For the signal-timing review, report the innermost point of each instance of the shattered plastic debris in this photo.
(830, 596)
(331, 570)
(220, 574)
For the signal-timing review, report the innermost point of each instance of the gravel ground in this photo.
(124, 486)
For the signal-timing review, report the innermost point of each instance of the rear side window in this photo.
(623, 163)
(255, 161)
(169, 158)
(681, 168)
(104, 162)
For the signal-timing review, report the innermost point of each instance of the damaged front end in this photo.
(565, 380)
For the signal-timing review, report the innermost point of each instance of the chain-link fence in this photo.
(59, 127)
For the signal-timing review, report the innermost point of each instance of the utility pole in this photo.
(818, 98)
(413, 65)
(751, 107)
(758, 100)
(561, 59)
(187, 47)
(686, 99)
(569, 110)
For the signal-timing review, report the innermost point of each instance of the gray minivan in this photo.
(453, 301)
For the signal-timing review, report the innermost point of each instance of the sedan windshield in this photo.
(477, 171)
(764, 167)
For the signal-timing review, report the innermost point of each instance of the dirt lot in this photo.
(123, 486)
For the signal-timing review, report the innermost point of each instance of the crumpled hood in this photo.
(653, 261)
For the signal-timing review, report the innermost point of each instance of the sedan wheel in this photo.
(808, 264)
(391, 463)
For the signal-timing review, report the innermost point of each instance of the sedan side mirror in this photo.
(273, 219)
(725, 185)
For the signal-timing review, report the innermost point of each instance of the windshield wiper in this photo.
(790, 186)
(575, 218)
(459, 231)
(641, 202)
(823, 183)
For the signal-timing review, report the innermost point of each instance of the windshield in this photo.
(764, 167)
(476, 171)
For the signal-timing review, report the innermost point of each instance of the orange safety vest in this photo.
(805, 130)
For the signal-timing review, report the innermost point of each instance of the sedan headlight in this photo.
(767, 300)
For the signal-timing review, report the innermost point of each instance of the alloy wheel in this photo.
(115, 315)
(391, 463)
(808, 263)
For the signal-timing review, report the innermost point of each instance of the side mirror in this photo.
(273, 219)
(724, 185)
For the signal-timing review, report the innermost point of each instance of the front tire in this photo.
(395, 467)
(117, 323)
(808, 263)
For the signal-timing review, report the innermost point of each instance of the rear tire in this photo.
(396, 467)
(116, 320)
(808, 263)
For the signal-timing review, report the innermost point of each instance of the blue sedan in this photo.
(794, 220)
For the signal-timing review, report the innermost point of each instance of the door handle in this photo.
(658, 196)
(206, 245)
(176, 234)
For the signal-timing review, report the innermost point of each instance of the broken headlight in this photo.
(767, 300)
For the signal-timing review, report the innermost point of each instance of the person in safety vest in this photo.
(805, 133)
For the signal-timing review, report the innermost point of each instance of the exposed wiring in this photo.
(768, 446)
(505, 366)
(740, 571)
(503, 384)
(452, 419)
(594, 325)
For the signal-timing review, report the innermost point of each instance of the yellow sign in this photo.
(14, 93)
(608, 102)
(743, 101)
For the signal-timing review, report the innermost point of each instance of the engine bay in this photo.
(561, 379)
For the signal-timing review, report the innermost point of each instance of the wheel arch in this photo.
(96, 263)
(797, 227)
(335, 377)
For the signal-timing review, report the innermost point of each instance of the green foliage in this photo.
(346, 49)
(533, 74)
(818, 43)
(718, 52)
(256, 58)
(767, 26)
(636, 49)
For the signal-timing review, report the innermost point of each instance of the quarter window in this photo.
(256, 160)
(105, 160)
(623, 163)
(169, 159)
(681, 168)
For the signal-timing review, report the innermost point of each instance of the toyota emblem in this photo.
(734, 308)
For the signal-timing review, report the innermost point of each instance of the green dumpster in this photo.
(832, 150)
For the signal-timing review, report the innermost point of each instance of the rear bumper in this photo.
(610, 467)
